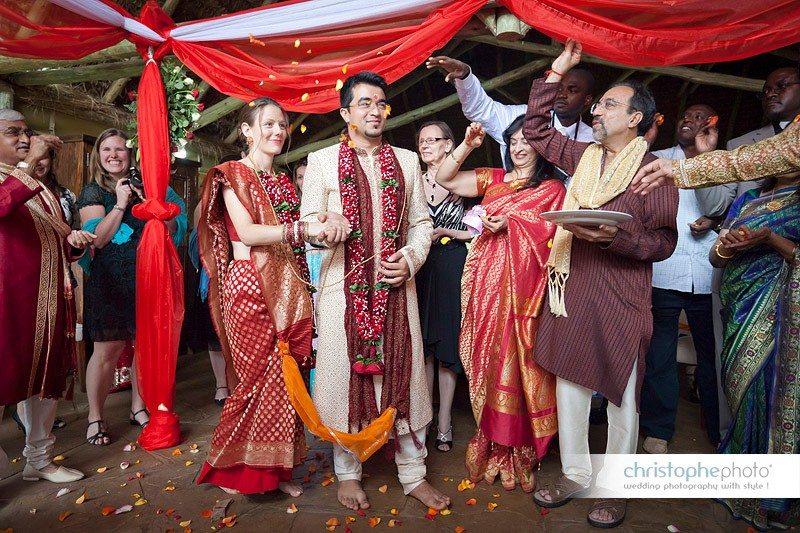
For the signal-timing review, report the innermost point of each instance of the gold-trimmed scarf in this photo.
(589, 189)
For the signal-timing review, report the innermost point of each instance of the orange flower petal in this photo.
(291, 509)
(188, 463)
(297, 43)
(393, 523)
(177, 451)
(58, 458)
(491, 506)
(63, 515)
(185, 523)
(105, 511)
(349, 519)
(102, 469)
(394, 512)
(169, 488)
(374, 521)
(472, 501)
(331, 528)
(339, 85)
(140, 501)
(383, 488)
(305, 97)
(326, 482)
(206, 514)
(460, 529)
(303, 128)
(344, 69)
(229, 520)
(332, 522)
(253, 40)
(445, 512)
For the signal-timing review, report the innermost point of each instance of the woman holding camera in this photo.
(105, 205)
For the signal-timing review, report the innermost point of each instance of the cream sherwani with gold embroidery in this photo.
(321, 193)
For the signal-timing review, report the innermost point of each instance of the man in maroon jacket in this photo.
(37, 320)
(596, 325)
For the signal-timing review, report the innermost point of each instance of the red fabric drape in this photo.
(391, 48)
(658, 32)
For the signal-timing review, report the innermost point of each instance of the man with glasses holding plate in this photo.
(597, 323)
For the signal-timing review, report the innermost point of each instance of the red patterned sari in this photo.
(254, 303)
(513, 398)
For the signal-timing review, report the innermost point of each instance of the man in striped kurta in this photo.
(602, 332)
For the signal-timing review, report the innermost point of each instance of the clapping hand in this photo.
(474, 135)
(453, 67)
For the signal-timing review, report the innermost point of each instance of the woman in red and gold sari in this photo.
(252, 244)
(513, 399)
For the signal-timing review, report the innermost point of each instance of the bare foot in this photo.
(292, 489)
(429, 496)
(230, 491)
(601, 515)
(544, 494)
(351, 495)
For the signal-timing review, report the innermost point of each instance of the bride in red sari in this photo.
(504, 282)
(252, 244)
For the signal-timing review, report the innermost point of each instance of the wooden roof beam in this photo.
(691, 74)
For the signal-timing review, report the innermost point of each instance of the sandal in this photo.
(100, 438)
(441, 440)
(562, 491)
(134, 422)
(615, 507)
(221, 401)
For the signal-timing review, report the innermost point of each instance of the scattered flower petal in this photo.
(140, 501)
(297, 43)
(62, 492)
(394, 512)
(188, 463)
(339, 85)
(332, 521)
(32, 511)
(295, 63)
(465, 485)
(253, 40)
(305, 97)
(491, 506)
(344, 68)
(124, 465)
(15, 459)
(102, 469)
(331, 528)
(207, 513)
(229, 521)
(177, 451)
(107, 510)
(63, 515)
(349, 519)
(194, 451)
(291, 509)
(308, 51)
(383, 488)
(460, 529)
(272, 76)
(169, 488)
(303, 128)
(361, 512)
(673, 529)
(185, 523)
(169, 511)
(58, 458)
(543, 511)
(374, 521)
(445, 512)
(124, 509)
(326, 482)
(129, 447)
(194, 446)
(139, 475)
(393, 523)
(472, 501)
(81, 498)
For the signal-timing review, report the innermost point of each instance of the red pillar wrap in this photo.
(159, 276)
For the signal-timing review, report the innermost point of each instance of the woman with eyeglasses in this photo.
(513, 398)
(105, 205)
(439, 279)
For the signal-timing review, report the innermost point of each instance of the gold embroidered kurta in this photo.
(777, 155)
(321, 193)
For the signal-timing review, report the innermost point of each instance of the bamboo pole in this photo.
(118, 52)
(98, 72)
(697, 76)
(219, 110)
(433, 107)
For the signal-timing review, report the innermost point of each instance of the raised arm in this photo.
(563, 152)
(449, 175)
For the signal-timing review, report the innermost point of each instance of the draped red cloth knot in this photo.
(153, 208)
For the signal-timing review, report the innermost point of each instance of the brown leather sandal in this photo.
(615, 507)
(561, 493)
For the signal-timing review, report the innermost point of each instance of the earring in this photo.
(249, 140)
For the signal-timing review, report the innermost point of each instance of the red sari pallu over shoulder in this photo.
(503, 286)
(254, 304)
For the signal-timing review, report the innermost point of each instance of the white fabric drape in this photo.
(292, 19)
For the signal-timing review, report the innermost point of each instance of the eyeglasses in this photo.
(366, 104)
(430, 140)
(779, 88)
(608, 105)
(16, 131)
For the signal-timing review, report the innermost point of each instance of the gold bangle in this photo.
(716, 251)
(454, 158)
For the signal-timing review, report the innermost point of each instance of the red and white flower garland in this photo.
(284, 200)
(370, 321)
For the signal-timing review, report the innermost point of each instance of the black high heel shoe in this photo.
(134, 422)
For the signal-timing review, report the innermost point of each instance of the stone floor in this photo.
(34, 507)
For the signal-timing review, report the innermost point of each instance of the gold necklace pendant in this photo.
(774, 205)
